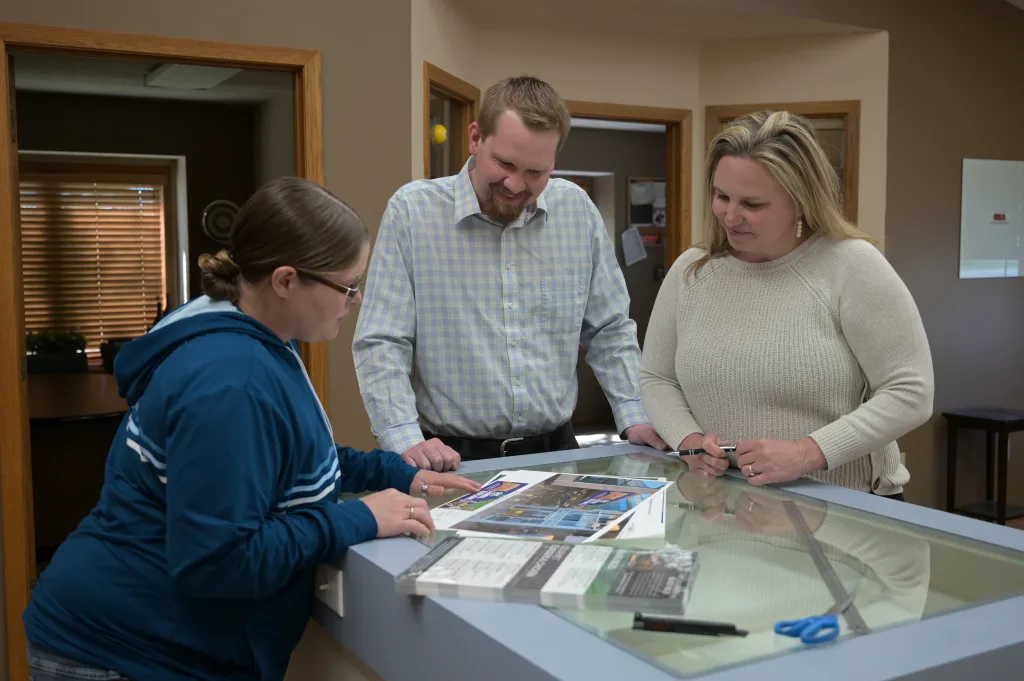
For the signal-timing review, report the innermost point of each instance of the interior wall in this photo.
(275, 138)
(945, 105)
(801, 69)
(614, 67)
(442, 35)
(216, 139)
(365, 110)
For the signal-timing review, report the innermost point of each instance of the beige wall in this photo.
(611, 67)
(442, 35)
(366, 120)
(801, 69)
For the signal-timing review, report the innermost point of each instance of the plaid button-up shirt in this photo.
(472, 329)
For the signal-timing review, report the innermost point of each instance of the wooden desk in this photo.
(73, 396)
(73, 419)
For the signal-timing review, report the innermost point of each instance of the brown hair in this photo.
(287, 222)
(536, 102)
(787, 146)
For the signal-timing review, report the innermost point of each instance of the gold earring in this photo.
(799, 227)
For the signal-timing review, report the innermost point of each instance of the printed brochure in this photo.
(574, 508)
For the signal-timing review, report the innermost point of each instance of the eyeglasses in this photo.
(349, 291)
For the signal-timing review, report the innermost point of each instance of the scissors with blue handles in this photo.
(817, 628)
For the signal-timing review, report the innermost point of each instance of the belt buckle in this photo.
(501, 449)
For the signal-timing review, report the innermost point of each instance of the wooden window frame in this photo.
(848, 110)
(466, 96)
(16, 462)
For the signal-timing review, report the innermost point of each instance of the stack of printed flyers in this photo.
(546, 538)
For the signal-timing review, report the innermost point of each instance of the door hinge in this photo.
(24, 367)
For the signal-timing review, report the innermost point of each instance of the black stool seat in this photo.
(998, 424)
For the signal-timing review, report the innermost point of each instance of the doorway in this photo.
(303, 68)
(644, 195)
(449, 106)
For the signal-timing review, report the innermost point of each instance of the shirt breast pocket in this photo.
(563, 302)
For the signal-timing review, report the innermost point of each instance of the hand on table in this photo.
(439, 484)
(644, 434)
(712, 464)
(398, 513)
(432, 455)
(766, 461)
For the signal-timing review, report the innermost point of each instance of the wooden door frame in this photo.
(465, 94)
(16, 460)
(678, 162)
(849, 110)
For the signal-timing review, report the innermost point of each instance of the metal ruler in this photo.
(828, 574)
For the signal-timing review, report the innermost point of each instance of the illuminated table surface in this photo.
(942, 595)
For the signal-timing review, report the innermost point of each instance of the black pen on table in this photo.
(676, 625)
(728, 449)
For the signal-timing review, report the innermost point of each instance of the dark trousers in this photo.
(898, 496)
(472, 449)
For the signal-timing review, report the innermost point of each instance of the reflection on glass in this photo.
(755, 569)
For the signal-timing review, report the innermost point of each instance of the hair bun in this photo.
(219, 276)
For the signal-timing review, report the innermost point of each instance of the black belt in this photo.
(470, 448)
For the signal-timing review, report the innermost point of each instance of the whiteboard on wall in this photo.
(992, 219)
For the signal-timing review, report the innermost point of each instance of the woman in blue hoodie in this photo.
(222, 484)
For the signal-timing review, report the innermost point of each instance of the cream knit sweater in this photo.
(825, 342)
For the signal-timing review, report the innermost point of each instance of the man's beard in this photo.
(502, 211)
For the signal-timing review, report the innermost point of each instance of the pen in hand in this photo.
(728, 449)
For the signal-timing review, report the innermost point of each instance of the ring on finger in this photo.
(423, 489)
(750, 470)
(412, 511)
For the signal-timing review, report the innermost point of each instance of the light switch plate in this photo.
(328, 588)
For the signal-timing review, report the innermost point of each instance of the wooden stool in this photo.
(997, 424)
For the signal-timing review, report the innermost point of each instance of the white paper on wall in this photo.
(633, 249)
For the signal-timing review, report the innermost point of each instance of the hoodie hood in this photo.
(138, 359)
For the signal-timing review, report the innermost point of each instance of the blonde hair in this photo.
(538, 105)
(289, 221)
(785, 144)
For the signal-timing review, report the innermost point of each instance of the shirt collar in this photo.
(468, 205)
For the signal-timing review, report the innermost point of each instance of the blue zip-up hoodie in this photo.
(220, 499)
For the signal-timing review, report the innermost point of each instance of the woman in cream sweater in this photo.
(789, 334)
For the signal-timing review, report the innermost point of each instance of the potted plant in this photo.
(52, 351)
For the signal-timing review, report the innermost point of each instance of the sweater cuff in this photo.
(354, 523)
(678, 429)
(400, 438)
(839, 443)
(402, 476)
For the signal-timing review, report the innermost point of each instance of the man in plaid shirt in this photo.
(481, 288)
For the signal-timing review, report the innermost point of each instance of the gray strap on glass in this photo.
(828, 574)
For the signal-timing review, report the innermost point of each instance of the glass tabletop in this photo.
(755, 569)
